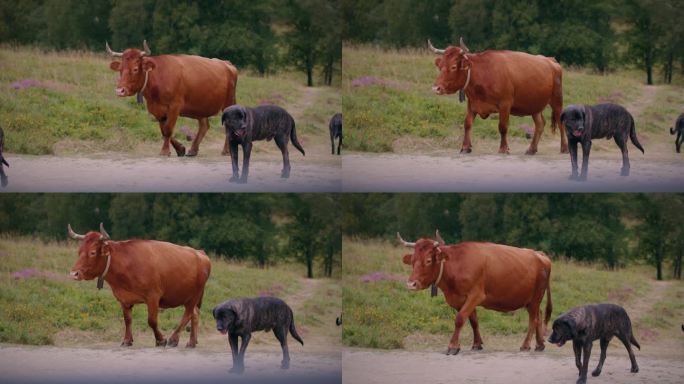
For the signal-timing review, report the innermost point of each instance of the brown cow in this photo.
(177, 85)
(493, 276)
(503, 82)
(156, 273)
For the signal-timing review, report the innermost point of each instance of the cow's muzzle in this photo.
(412, 285)
(76, 275)
(438, 89)
(121, 92)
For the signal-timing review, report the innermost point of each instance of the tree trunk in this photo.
(328, 259)
(309, 262)
(659, 261)
(678, 264)
(649, 67)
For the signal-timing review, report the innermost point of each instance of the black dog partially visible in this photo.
(335, 127)
(679, 129)
(244, 316)
(244, 125)
(587, 323)
(584, 123)
(3, 177)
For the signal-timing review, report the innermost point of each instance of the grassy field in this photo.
(389, 105)
(379, 312)
(71, 106)
(40, 304)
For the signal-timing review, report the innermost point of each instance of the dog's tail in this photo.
(634, 342)
(633, 137)
(293, 330)
(672, 131)
(293, 138)
(2, 158)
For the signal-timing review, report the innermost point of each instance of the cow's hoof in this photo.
(477, 347)
(531, 152)
(127, 343)
(504, 151)
(524, 349)
(191, 153)
(161, 343)
(466, 150)
(180, 152)
(166, 153)
(634, 369)
(172, 343)
(225, 153)
(564, 150)
(453, 351)
(190, 345)
(539, 348)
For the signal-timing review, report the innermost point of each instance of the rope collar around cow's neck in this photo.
(139, 98)
(433, 292)
(461, 92)
(100, 279)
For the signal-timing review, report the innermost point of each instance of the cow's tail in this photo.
(633, 137)
(557, 100)
(293, 138)
(634, 342)
(549, 304)
(293, 330)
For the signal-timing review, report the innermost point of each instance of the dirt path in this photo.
(112, 173)
(505, 173)
(643, 305)
(551, 366)
(648, 95)
(68, 365)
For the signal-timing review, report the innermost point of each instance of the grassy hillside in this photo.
(62, 102)
(40, 304)
(387, 96)
(381, 313)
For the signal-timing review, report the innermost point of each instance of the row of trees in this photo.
(613, 229)
(261, 34)
(602, 34)
(263, 228)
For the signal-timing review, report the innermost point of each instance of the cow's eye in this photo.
(428, 262)
(92, 253)
(453, 68)
(135, 70)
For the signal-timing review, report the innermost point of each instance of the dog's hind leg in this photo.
(604, 348)
(281, 142)
(625, 340)
(281, 334)
(680, 139)
(622, 144)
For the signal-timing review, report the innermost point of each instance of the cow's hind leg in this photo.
(152, 313)
(281, 142)
(504, 114)
(622, 144)
(538, 130)
(533, 318)
(187, 315)
(477, 338)
(604, 348)
(128, 319)
(281, 334)
(194, 328)
(201, 132)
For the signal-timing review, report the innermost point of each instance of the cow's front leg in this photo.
(467, 126)
(586, 149)
(246, 153)
(152, 312)
(167, 123)
(473, 300)
(504, 114)
(477, 338)
(128, 319)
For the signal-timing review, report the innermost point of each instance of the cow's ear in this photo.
(407, 259)
(115, 66)
(441, 255)
(438, 62)
(148, 65)
(465, 62)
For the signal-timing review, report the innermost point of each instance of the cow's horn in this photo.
(146, 50)
(112, 53)
(439, 238)
(463, 46)
(103, 234)
(435, 50)
(404, 242)
(73, 234)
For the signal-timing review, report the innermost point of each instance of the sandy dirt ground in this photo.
(52, 364)
(551, 366)
(505, 173)
(115, 173)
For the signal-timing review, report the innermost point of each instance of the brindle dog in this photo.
(335, 127)
(244, 125)
(244, 316)
(584, 123)
(679, 130)
(587, 323)
(3, 176)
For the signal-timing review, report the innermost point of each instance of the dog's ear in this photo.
(562, 117)
(572, 327)
(214, 311)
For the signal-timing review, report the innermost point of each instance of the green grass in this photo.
(382, 314)
(404, 105)
(37, 310)
(77, 103)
